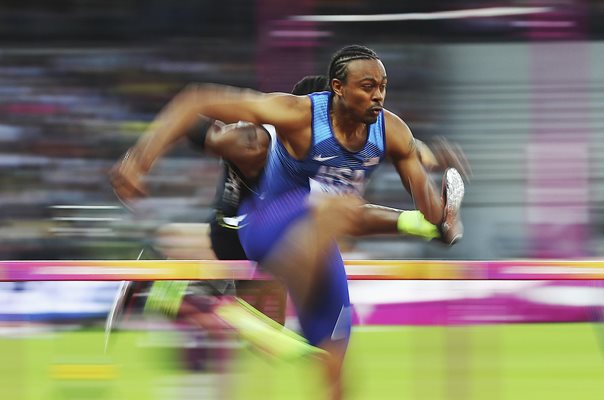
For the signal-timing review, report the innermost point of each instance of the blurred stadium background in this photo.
(520, 87)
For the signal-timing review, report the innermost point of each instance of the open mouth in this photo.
(375, 111)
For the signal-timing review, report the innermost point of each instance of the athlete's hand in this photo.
(126, 178)
(442, 154)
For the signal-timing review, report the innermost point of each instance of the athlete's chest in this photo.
(330, 154)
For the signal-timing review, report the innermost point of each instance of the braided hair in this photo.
(338, 67)
(310, 84)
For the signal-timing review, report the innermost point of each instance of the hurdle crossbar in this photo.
(135, 270)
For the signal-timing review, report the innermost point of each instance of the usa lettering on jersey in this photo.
(338, 180)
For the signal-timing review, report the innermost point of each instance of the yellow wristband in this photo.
(414, 223)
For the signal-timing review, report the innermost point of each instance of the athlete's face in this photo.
(364, 90)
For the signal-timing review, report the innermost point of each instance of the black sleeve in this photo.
(197, 134)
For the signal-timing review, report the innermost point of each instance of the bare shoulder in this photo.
(231, 104)
(291, 101)
(395, 124)
(399, 139)
(289, 112)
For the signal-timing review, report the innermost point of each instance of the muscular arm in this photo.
(224, 103)
(426, 156)
(200, 133)
(443, 154)
(288, 113)
(402, 151)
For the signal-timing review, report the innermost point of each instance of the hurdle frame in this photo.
(140, 270)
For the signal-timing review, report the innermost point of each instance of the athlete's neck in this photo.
(350, 132)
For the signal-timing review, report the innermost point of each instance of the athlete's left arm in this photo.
(402, 150)
(288, 113)
(441, 154)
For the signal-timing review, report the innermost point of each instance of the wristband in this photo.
(414, 223)
(197, 134)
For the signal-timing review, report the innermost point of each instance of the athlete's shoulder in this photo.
(290, 100)
(399, 139)
(394, 124)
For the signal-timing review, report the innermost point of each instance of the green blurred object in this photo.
(268, 337)
(166, 297)
(502, 362)
(72, 365)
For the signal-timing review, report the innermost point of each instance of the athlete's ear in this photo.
(336, 86)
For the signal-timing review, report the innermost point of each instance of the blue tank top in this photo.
(327, 167)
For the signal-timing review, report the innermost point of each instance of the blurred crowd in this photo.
(79, 81)
(518, 84)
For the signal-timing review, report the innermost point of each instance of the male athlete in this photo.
(243, 148)
(328, 142)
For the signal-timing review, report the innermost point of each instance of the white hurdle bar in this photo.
(147, 270)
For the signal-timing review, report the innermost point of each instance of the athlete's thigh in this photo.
(329, 317)
(267, 222)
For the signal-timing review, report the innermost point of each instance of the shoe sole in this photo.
(455, 191)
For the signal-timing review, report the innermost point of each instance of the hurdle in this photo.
(146, 270)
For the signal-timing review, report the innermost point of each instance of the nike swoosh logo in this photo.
(320, 158)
